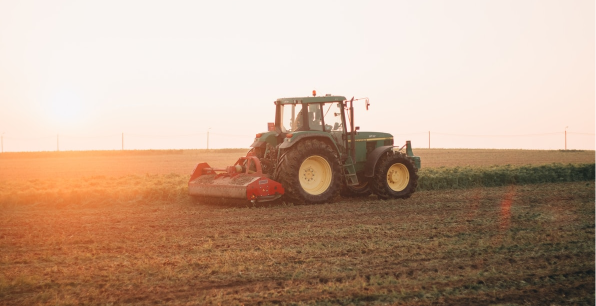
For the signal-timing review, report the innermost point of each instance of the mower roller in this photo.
(235, 182)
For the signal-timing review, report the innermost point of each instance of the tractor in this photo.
(313, 153)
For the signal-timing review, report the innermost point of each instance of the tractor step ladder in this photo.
(350, 172)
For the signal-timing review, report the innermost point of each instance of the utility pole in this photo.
(566, 138)
(208, 138)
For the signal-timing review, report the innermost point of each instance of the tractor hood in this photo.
(373, 136)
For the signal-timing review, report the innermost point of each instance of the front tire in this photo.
(310, 173)
(395, 177)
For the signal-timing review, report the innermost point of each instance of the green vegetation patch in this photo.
(470, 177)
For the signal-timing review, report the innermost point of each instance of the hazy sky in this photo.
(477, 74)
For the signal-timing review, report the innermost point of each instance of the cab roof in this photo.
(322, 99)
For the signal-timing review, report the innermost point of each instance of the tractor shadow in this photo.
(223, 203)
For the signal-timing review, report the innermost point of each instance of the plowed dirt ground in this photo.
(517, 245)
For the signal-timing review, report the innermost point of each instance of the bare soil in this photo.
(516, 245)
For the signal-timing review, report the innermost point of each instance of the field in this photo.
(118, 228)
(44, 165)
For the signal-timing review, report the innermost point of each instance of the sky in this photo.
(91, 75)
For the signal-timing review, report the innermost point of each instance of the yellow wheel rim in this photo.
(398, 177)
(315, 175)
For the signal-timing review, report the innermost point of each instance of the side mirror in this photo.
(270, 126)
(357, 128)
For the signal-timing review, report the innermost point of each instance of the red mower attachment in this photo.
(243, 180)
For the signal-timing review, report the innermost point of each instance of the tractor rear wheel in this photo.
(395, 177)
(310, 173)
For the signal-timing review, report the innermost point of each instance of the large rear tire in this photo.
(310, 173)
(395, 177)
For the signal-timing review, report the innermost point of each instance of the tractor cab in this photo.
(323, 114)
(324, 117)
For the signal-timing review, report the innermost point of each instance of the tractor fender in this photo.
(264, 139)
(373, 158)
(297, 137)
(258, 144)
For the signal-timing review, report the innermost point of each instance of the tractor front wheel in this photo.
(310, 173)
(395, 177)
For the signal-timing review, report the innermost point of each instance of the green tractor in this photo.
(314, 153)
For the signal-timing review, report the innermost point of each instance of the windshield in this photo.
(332, 116)
(319, 114)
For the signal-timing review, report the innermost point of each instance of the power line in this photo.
(580, 133)
(518, 135)
(164, 136)
(30, 138)
(247, 136)
(73, 139)
(415, 133)
(229, 135)
(89, 137)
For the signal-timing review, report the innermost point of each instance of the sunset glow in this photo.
(457, 74)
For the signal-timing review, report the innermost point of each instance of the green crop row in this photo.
(469, 177)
